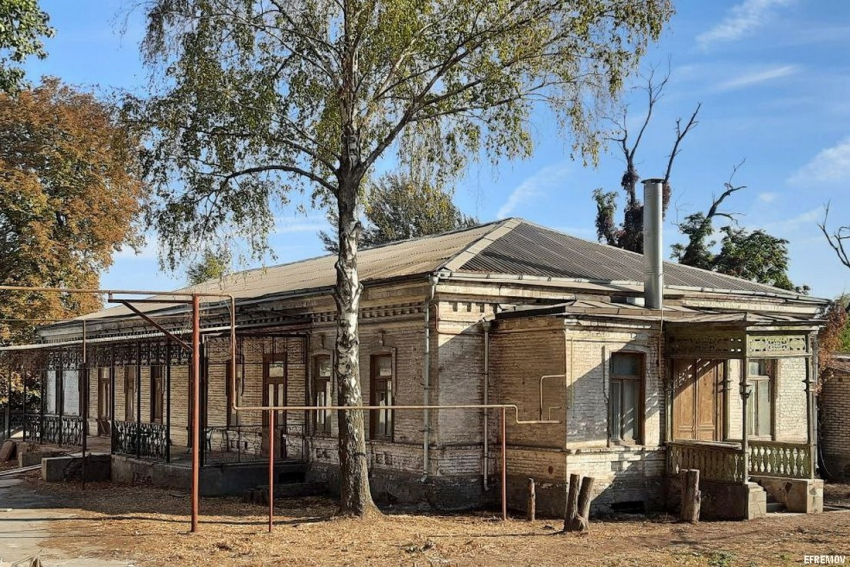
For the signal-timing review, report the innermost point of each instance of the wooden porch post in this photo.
(811, 405)
(745, 396)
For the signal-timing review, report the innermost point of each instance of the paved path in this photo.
(24, 520)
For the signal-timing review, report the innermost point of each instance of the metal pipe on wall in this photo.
(486, 432)
(426, 378)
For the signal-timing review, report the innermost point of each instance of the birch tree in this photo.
(254, 99)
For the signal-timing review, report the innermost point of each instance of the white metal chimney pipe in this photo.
(653, 266)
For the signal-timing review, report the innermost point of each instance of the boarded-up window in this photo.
(625, 397)
(70, 392)
(382, 395)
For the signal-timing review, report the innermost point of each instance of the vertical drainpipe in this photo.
(486, 469)
(426, 377)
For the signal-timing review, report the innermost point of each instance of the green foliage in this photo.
(400, 207)
(253, 100)
(22, 25)
(755, 256)
(211, 266)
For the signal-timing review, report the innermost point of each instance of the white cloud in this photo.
(767, 197)
(740, 21)
(828, 166)
(532, 187)
(756, 77)
(286, 225)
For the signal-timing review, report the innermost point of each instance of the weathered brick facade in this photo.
(551, 346)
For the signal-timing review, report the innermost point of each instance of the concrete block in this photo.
(7, 450)
(59, 469)
(29, 458)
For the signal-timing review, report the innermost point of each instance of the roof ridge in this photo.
(500, 229)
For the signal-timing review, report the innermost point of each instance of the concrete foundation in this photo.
(58, 469)
(721, 500)
(222, 480)
(389, 487)
(799, 495)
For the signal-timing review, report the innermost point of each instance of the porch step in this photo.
(773, 507)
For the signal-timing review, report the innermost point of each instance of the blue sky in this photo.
(773, 78)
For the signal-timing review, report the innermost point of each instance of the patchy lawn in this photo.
(150, 527)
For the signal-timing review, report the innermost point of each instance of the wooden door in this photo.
(698, 399)
(274, 394)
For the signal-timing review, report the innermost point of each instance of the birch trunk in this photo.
(355, 495)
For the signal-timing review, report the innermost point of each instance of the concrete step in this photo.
(773, 507)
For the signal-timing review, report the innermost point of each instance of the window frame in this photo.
(157, 393)
(232, 416)
(640, 408)
(317, 380)
(754, 382)
(130, 393)
(374, 380)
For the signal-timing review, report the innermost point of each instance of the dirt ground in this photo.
(148, 526)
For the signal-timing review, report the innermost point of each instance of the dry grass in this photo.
(149, 526)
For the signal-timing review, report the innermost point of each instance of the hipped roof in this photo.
(512, 247)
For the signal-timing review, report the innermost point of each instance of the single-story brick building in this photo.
(513, 313)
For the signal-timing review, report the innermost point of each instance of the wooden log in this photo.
(691, 495)
(532, 501)
(572, 501)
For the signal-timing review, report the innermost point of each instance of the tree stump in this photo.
(532, 500)
(691, 495)
(577, 517)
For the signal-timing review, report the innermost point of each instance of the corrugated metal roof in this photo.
(534, 250)
(407, 258)
(511, 246)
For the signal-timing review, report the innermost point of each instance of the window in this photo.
(626, 397)
(760, 403)
(232, 416)
(129, 393)
(157, 389)
(322, 393)
(382, 395)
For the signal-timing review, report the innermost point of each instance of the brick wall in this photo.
(835, 424)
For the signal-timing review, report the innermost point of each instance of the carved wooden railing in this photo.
(148, 440)
(774, 458)
(715, 461)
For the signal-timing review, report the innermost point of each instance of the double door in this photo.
(698, 399)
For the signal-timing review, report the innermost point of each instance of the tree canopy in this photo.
(22, 26)
(400, 207)
(257, 98)
(70, 190)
